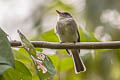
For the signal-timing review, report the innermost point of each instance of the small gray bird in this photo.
(67, 31)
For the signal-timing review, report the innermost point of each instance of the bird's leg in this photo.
(66, 49)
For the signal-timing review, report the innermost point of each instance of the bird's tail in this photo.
(78, 64)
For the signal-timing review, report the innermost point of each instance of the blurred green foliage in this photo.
(6, 55)
(103, 66)
(94, 11)
(100, 64)
(49, 36)
(20, 72)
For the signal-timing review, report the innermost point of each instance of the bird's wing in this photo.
(78, 36)
(72, 22)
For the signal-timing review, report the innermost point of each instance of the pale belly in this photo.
(67, 35)
(68, 38)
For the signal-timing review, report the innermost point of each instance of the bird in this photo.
(67, 32)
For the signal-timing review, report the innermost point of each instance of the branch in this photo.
(79, 45)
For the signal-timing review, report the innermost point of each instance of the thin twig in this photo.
(79, 45)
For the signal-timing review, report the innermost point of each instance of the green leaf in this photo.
(20, 72)
(2, 33)
(49, 36)
(66, 64)
(50, 68)
(55, 60)
(87, 36)
(39, 49)
(22, 56)
(6, 55)
(44, 65)
(26, 43)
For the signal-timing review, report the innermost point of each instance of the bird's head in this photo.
(64, 14)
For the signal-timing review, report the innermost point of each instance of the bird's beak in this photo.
(58, 12)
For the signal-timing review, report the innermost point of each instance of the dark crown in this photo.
(66, 13)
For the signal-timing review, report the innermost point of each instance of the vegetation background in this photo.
(98, 20)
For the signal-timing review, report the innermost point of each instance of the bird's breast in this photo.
(66, 31)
